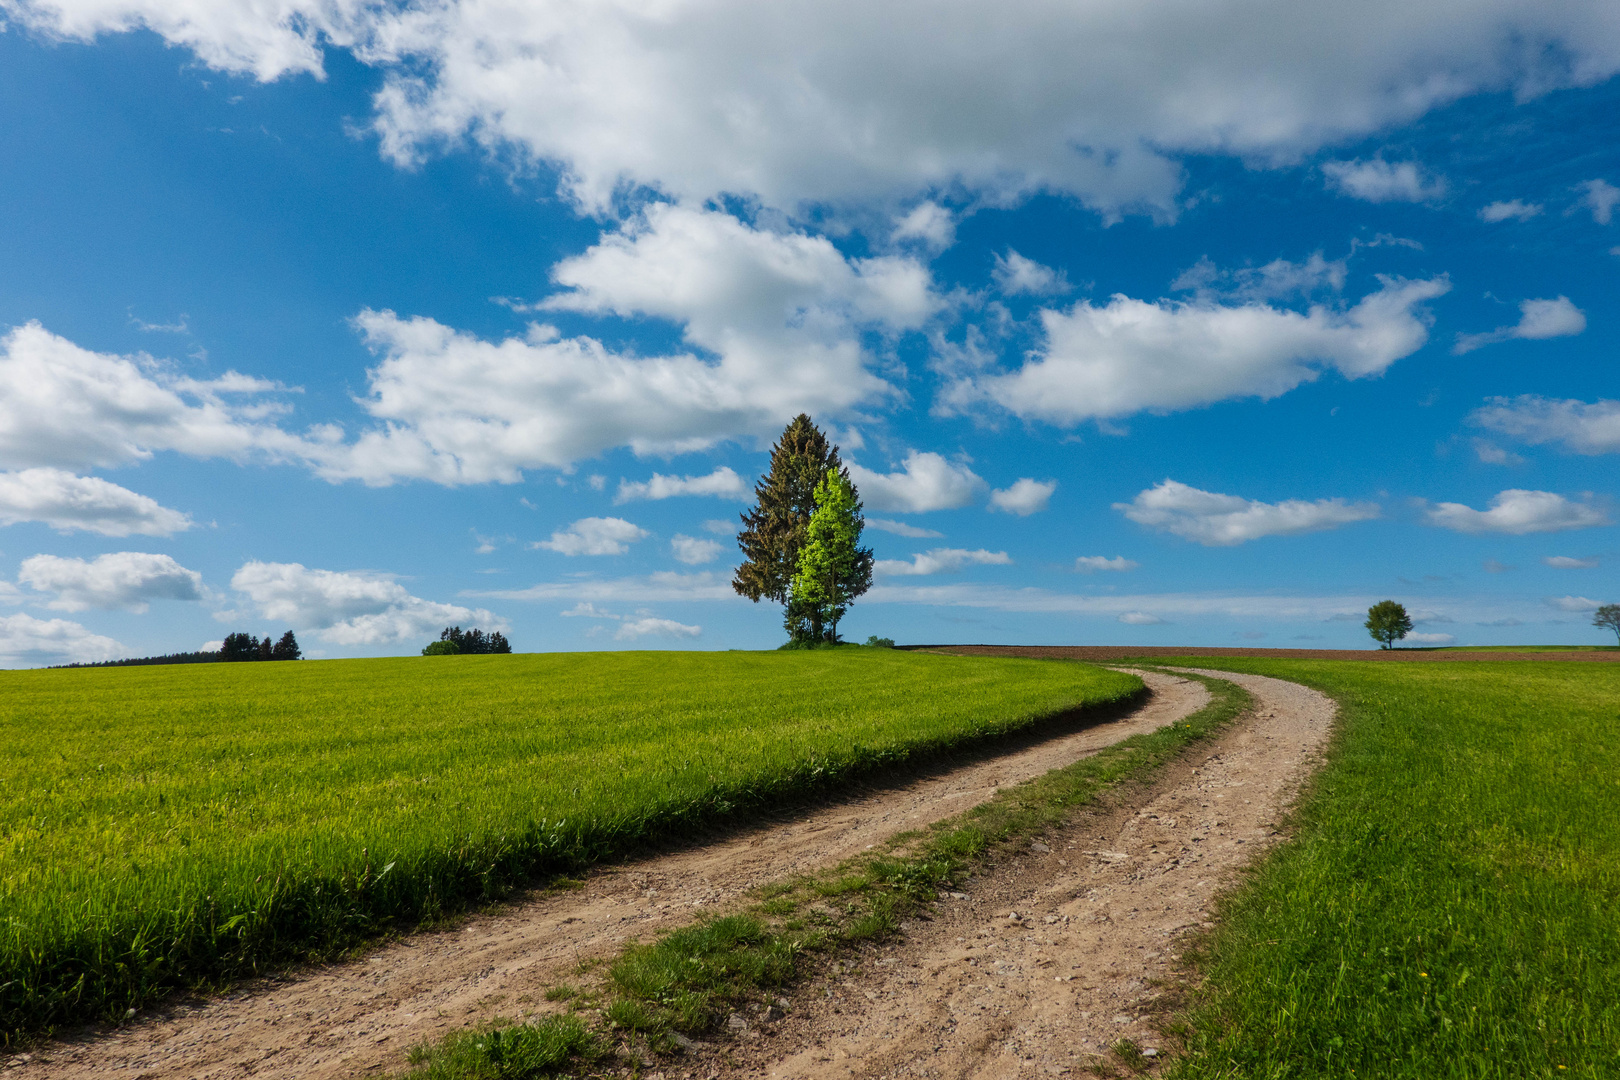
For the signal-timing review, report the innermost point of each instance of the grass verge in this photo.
(1450, 904)
(174, 827)
(690, 982)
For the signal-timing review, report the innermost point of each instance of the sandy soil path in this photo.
(1058, 953)
(357, 1018)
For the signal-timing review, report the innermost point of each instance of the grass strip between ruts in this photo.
(641, 1006)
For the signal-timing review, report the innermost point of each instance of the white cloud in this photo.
(834, 100)
(595, 536)
(720, 527)
(1565, 562)
(1600, 197)
(1279, 279)
(694, 551)
(66, 407)
(1091, 564)
(1581, 427)
(1382, 181)
(122, 579)
(1139, 618)
(349, 608)
(1130, 355)
(1538, 320)
(782, 313)
(1221, 520)
(1506, 211)
(632, 629)
(1491, 454)
(29, 642)
(1571, 603)
(1517, 512)
(1431, 639)
(1015, 274)
(929, 222)
(653, 588)
(926, 482)
(940, 561)
(723, 483)
(1024, 497)
(900, 528)
(66, 502)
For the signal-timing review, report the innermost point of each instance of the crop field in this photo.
(1451, 904)
(162, 827)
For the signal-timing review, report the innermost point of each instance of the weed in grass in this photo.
(168, 827)
(562, 992)
(1131, 1055)
(515, 1052)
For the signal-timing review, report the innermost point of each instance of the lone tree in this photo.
(1608, 616)
(785, 499)
(833, 567)
(1388, 622)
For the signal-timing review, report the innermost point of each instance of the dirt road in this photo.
(355, 1018)
(1057, 954)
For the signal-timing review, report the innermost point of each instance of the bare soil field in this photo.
(359, 1017)
(1108, 654)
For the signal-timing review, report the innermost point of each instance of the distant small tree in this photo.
(287, 648)
(441, 648)
(1608, 616)
(238, 647)
(1388, 622)
(473, 642)
(833, 568)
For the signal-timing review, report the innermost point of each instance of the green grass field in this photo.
(1451, 904)
(170, 826)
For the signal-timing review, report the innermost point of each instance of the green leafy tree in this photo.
(1388, 622)
(833, 567)
(1608, 616)
(785, 498)
(441, 648)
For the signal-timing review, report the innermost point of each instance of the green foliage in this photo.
(875, 642)
(785, 498)
(518, 1052)
(1388, 622)
(166, 826)
(1451, 904)
(833, 568)
(239, 647)
(1608, 616)
(472, 642)
(441, 648)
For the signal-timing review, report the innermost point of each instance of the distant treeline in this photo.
(236, 648)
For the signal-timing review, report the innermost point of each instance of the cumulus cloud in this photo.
(594, 536)
(631, 629)
(1222, 520)
(349, 608)
(694, 551)
(1382, 181)
(1574, 604)
(929, 222)
(1491, 454)
(66, 407)
(1024, 497)
(940, 561)
(1582, 427)
(926, 481)
(1279, 279)
(723, 483)
(836, 101)
(1600, 197)
(1517, 512)
(67, 502)
(29, 642)
(1091, 564)
(1139, 618)
(130, 580)
(1514, 210)
(1538, 320)
(781, 314)
(900, 528)
(1566, 562)
(1015, 274)
(1127, 356)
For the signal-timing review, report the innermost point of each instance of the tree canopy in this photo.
(785, 499)
(1608, 616)
(833, 568)
(472, 642)
(241, 646)
(1388, 622)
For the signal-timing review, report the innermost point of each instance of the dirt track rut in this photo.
(356, 1018)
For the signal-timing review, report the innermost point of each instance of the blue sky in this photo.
(1211, 325)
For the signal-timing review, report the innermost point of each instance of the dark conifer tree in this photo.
(775, 529)
(238, 647)
(287, 648)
